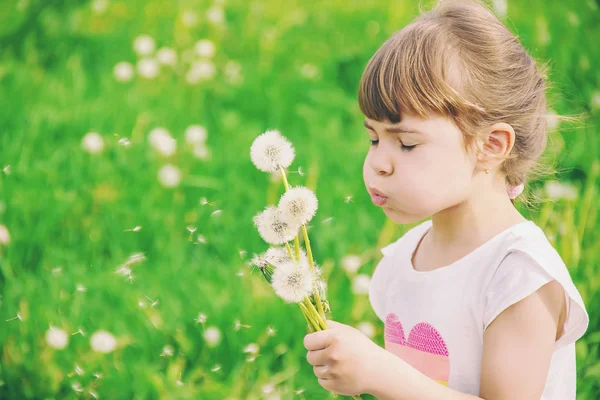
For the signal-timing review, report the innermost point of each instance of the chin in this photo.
(403, 218)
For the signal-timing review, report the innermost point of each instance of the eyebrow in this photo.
(396, 128)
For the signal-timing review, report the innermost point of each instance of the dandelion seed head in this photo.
(103, 342)
(93, 143)
(167, 56)
(200, 70)
(195, 134)
(57, 338)
(201, 151)
(212, 336)
(160, 139)
(148, 68)
(298, 205)
(169, 176)
(292, 281)
(205, 48)
(271, 151)
(123, 71)
(144, 45)
(272, 228)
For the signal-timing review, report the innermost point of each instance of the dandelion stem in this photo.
(314, 325)
(297, 245)
(287, 245)
(312, 267)
(314, 313)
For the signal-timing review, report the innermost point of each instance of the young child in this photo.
(476, 302)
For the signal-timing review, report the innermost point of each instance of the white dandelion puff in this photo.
(166, 56)
(57, 338)
(279, 255)
(201, 152)
(144, 45)
(215, 15)
(271, 151)
(351, 263)
(4, 236)
(169, 176)
(212, 336)
(123, 71)
(103, 342)
(201, 70)
(272, 228)
(195, 134)
(162, 141)
(148, 68)
(360, 284)
(189, 18)
(292, 281)
(298, 205)
(93, 143)
(205, 48)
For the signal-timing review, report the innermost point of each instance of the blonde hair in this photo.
(459, 60)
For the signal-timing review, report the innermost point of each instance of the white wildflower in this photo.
(201, 151)
(92, 143)
(144, 45)
(351, 263)
(272, 228)
(57, 338)
(123, 71)
(201, 70)
(298, 205)
(205, 48)
(166, 56)
(212, 336)
(169, 176)
(189, 18)
(292, 281)
(161, 140)
(148, 68)
(4, 235)
(103, 342)
(367, 328)
(360, 284)
(215, 15)
(557, 190)
(271, 151)
(195, 134)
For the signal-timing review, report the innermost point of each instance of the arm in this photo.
(517, 349)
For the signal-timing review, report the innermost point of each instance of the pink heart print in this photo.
(425, 348)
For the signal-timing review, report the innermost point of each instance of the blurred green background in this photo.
(127, 191)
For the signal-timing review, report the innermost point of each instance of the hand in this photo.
(343, 358)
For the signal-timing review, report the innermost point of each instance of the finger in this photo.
(318, 340)
(321, 371)
(316, 357)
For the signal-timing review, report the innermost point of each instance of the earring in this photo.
(487, 171)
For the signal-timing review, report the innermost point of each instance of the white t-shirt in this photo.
(435, 320)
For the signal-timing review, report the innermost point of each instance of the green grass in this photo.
(70, 213)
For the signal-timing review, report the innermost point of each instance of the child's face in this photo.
(434, 175)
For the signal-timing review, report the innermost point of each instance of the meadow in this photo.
(127, 191)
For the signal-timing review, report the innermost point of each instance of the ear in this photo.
(498, 142)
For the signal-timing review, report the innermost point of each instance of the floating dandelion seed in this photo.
(76, 386)
(292, 281)
(167, 351)
(153, 302)
(348, 199)
(179, 382)
(252, 348)
(78, 370)
(271, 331)
(201, 239)
(6, 169)
(201, 319)
(299, 391)
(271, 151)
(204, 201)
(216, 213)
(215, 368)
(242, 253)
(238, 325)
(97, 375)
(240, 273)
(80, 288)
(79, 332)
(93, 394)
(298, 205)
(124, 142)
(272, 228)
(135, 229)
(327, 220)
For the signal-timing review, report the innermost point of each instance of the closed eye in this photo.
(402, 146)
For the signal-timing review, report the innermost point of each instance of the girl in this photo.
(476, 302)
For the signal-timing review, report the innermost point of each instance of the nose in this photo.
(381, 162)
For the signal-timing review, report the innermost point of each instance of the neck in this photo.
(483, 215)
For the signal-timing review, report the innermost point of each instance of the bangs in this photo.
(415, 71)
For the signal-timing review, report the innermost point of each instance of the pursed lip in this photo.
(372, 191)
